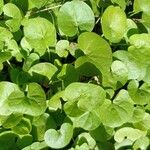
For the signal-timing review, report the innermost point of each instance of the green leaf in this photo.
(61, 48)
(12, 120)
(1, 6)
(82, 104)
(45, 69)
(40, 34)
(13, 12)
(23, 127)
(90, 120)
(24, 141)
(68, 74)
(121, 3)
(72, 18)
(5, 34)
(32, 59)
(61, 138)
(36, 146)
(34, 103)
(119, 71)
(143, 5)
(97, 51)
(81, 93)
(128, 133)
(37, 3)
(86, 138)
(6, 88)
(144, 124)
(146, 19)
(118, 112)
(138, 94)
(141, 143)
(41, 124)
(4, 56)
(55, 103)
(7, 140)
(115, 27)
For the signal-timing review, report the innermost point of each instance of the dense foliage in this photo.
(74, 74)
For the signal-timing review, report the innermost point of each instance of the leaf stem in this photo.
(9, 64)
(47, 9)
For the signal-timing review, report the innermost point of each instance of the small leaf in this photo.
(141, 143)
(75, 16)
(128, 133)
(7, 140)
(143, 5)
(40, 34)
(6, 88)
(23, 127)
(61, 138)
(1, 6)
(37, 3)
(12, 11)
(12, 120)
(121, 3)
(118, 112)
(97, 51)
(114, 27)
(61, 48)
(45, 69)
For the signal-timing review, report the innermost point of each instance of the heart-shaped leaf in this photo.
(34, 103)
(118, 112)
(97, 51)
(61, 138)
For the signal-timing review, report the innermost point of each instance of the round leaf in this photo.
(40, 33)
(115, 26)
(75, 16)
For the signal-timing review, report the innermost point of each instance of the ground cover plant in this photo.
(74, 74)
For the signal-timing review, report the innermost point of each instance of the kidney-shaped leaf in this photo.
(114, 114)
(88, 96)
(75, 16)
(61, 138)
(82, 102)
(45, 69)
(114, 24)
(97, 51)
(40, 33)
(12, 11)
(34, 103)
